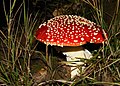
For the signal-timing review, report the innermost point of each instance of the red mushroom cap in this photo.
(69, 30)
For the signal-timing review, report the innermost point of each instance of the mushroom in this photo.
(70, 32)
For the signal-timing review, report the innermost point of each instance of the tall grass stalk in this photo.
(18, 48)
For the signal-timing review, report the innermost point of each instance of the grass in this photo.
(17, 47)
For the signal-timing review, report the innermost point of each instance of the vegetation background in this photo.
(23, 59)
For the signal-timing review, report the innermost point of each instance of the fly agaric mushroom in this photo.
(71, 31)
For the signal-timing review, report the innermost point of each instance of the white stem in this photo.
(74, 59)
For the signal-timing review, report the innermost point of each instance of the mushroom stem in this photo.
(74, 59)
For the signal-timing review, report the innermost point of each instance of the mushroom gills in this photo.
(73, 59)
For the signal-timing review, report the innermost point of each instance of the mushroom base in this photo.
(73, 60)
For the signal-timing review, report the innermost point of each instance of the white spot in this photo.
(52, 40)
(61, 36)
(89, 28)
(48, 37)
(98, 39)
(94, 37)
(95, 33)
(47, 40)
(82, 33)
(72, 23)
(82, 39)
(57, 32)
(73, 28)
(81, 25)
(40, 40)
(65, 27)
(61, 28)
(68, 25)
(91, 41)
(72, 36)
(87, 35)
(57, 41)
(68, 42)
(58, 45)
(75, 40)
(57, 35)
(62, 39)
(91, 35)
(76, 31)
(68, 29)
(73, 31)
(62, 25)
(48, 30)
(90, 31)
(70, 32)
(76, 26)
(76, 37)
(94, 29)
(65, 40)
(53, 25)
